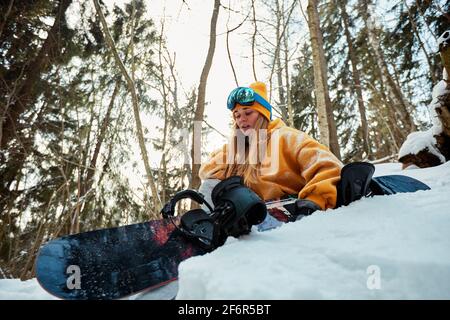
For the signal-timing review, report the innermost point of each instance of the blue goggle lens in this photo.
(242, 95)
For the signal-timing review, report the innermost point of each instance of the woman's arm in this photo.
(215, 167)
(321, 170)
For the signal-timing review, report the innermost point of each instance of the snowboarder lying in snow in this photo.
(277, 160)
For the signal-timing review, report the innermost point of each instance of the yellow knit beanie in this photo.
(260, 88)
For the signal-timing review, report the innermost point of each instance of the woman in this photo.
(275, 160)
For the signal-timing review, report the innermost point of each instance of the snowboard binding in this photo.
(236, 209)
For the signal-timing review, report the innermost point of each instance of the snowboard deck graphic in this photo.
(113, 263)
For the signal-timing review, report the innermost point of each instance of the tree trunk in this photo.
(389, 114)
(356, 79)
(5, 17)
(443, 111)
(163, 164)
(327, 125)
(89, 179)
(290, 111)
(444, 50)
(280, 29)
(105, 125)
(255, 31)
(277, 62)
(198, 116)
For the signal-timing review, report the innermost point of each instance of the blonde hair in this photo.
(246, 163)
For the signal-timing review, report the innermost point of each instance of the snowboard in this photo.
(118, 262)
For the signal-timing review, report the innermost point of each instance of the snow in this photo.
(440, 89)
(14, 289)
(418, 141)
(206, 189)
(385, 247)
(444, 39)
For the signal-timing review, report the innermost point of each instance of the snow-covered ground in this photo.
(14, 289)
(386, 247)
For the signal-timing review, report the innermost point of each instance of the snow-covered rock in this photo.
(418, 141)
(425, 141)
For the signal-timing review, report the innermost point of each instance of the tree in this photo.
(77, 133)
(327, 126)
(305, 112)
(200, 108)
(24, 93)
(395, 94)
(356, 79)
(131, 87)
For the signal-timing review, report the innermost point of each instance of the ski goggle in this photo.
(246, 97)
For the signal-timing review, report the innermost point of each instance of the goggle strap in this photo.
(263, 102)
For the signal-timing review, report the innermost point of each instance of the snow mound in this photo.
(386, 247)
(418, 141)
(425, 140)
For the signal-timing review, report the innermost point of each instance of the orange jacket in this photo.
(303, 167)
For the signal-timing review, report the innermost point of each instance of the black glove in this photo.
(301, 208)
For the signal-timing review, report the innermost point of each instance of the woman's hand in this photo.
(302, 208)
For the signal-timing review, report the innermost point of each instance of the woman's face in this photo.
(245, 119)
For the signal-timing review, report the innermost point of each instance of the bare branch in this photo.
(254, 40)
(228, 48)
